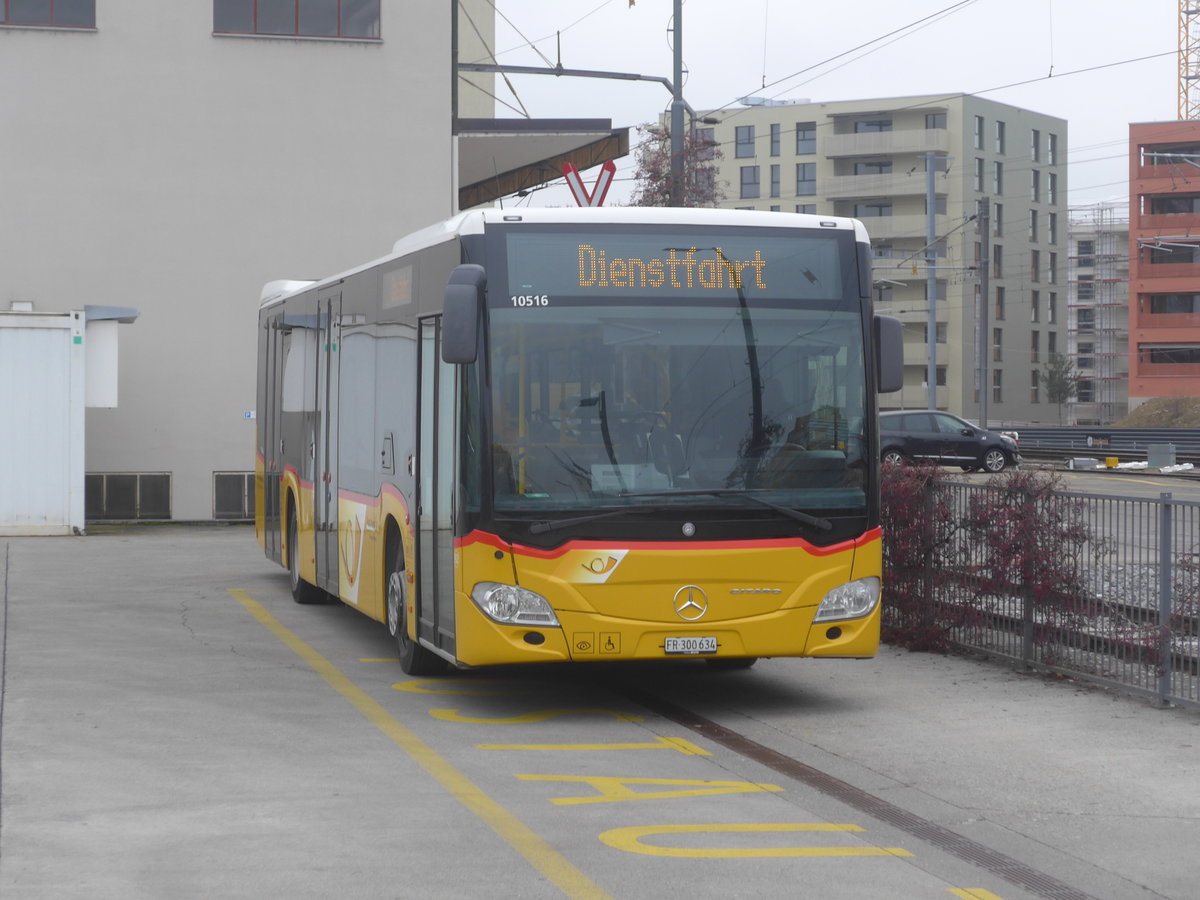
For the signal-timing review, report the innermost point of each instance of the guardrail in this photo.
(1128, 444)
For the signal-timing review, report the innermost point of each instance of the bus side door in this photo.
(325, 501)
(437, 484)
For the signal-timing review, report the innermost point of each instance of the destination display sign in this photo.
(789, 264)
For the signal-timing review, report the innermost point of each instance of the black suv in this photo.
(945, 439)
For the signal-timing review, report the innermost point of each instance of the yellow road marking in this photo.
(613, 789)
(684, 746)
(541, 715)
(424, 687)
(630, 840)
(973, 894)
(539, 854)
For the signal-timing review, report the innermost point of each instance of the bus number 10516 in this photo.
(531, 300)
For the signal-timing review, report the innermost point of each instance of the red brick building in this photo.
(1164, 260)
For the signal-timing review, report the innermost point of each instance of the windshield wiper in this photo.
(556, 524)
(807, 518)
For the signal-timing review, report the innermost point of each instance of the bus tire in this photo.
(302, 591)
(414, 659)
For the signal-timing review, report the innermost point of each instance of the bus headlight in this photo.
(511, 605)
(851, 600)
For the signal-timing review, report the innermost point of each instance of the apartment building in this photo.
(869, 159)
(172, 158)
(1164, 260)
(1098, 313)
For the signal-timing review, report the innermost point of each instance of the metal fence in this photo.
(1102, 588)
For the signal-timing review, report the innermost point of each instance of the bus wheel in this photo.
(414, 659)
(730, 664)
(302, 591)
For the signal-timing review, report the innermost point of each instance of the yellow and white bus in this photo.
(585, 434)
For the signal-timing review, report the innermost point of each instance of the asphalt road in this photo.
(173, 726)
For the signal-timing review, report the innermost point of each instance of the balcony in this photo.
(841, 187)
(886, 143)
(883, 228)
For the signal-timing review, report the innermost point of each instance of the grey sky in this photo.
(733, 49)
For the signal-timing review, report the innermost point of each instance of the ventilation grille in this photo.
(127, 496)
(233, 496)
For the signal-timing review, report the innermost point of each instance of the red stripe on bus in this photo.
(491, 540)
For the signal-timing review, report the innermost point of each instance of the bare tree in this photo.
(653, 174)
(1061, 380)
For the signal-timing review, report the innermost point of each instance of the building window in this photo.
(997, 386)
(1084, 357)
(1035, 346)
(871, 126)
(1175, 304)
(1035, 145)
(1052, 269)
(706, 143)
(303, 18)
(1051, 188)
(874, 167)
(940, 375)
(775, 180)
(997, 261)
(749, 183)
(806, 138)
(744, 142)
(1170, 355)
(979, 174)
(997, 345)
(1052, 230)
(1085, 321)
(1085, 390)
(1052, 309)
(1175, 254)
(1052, 149)
(1033, 225)
(809, 209)
(872, 209)
(998, 312)
(1035, 304)
(806, 179)
(49, 13)
(1085, 251)
(979, 132)
(1051, 342)
(935, 120)
(998, 219)
(939, 331)
(1035, 266)
(774, 140)
(1034, 387)
(1086, 288)
(1175, 204)
(1000, 137)
(998, 178)
(1035, 186)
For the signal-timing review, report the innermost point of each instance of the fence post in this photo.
(928, 534)
(1027, 540)
(1166, 546)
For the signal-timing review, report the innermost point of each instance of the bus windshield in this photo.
(702, 368)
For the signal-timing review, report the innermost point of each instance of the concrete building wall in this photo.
(874, 171)
(151, 163)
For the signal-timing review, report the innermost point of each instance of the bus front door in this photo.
(325, 501)
(437, 484)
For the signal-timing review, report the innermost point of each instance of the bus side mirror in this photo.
(461, 312)
(889, 354)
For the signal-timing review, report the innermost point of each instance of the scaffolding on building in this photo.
(1098, 312)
